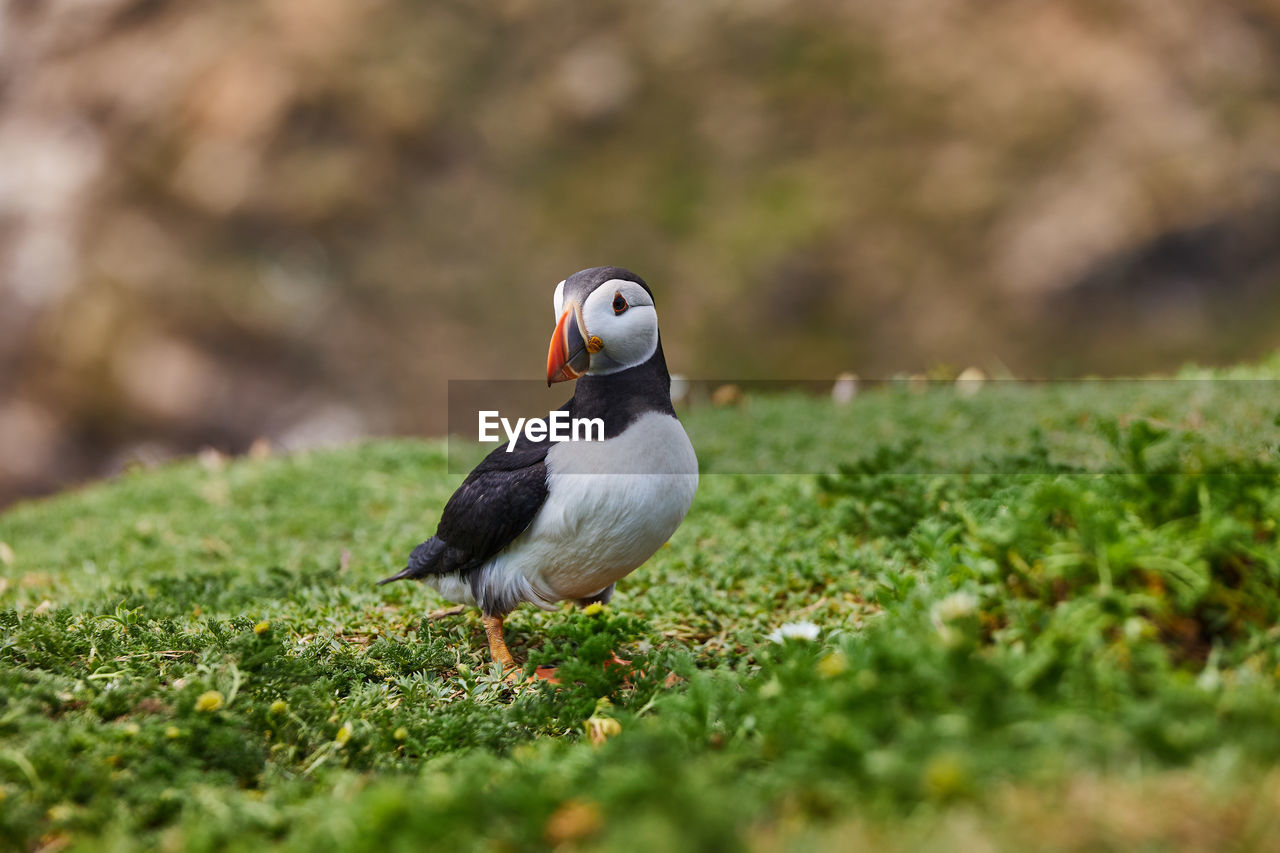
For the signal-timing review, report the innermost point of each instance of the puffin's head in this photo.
(605, 322)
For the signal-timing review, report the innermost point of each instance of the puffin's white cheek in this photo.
(632, 343)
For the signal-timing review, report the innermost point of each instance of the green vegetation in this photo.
(1047, 614)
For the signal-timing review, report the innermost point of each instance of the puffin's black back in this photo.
(495, 503)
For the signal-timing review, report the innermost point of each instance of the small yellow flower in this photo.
(132, 729)
(599, 727)
(279, 706)
(401, 733)
(343, 735)
(173, 733)
(262, 627)
(593, 609)
(210, 700)
(832, 665)
(61, 812)
(945, 776)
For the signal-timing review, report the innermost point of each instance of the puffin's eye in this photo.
(619, 304)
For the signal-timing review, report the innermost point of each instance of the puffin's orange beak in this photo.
(568, 357)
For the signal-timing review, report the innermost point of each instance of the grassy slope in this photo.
(1012, 646)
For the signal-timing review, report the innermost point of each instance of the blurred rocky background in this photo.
(296, 219)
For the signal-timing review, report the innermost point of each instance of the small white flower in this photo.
(806, 631)
(955, 606)
(845, 388)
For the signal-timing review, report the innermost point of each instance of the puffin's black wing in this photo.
(495, 504)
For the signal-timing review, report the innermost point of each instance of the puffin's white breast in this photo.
(610, 505)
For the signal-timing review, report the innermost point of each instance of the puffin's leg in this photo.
(497, 645)
(499, 652)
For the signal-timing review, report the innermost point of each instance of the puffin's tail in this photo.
(421, 562)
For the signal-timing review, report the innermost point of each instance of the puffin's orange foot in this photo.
(548, 673)
(671, 680)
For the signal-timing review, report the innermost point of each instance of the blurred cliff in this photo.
(296, 219)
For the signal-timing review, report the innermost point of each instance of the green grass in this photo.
(1048, 615)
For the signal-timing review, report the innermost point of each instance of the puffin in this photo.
(542, 522)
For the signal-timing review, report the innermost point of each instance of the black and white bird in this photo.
(553, 521)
